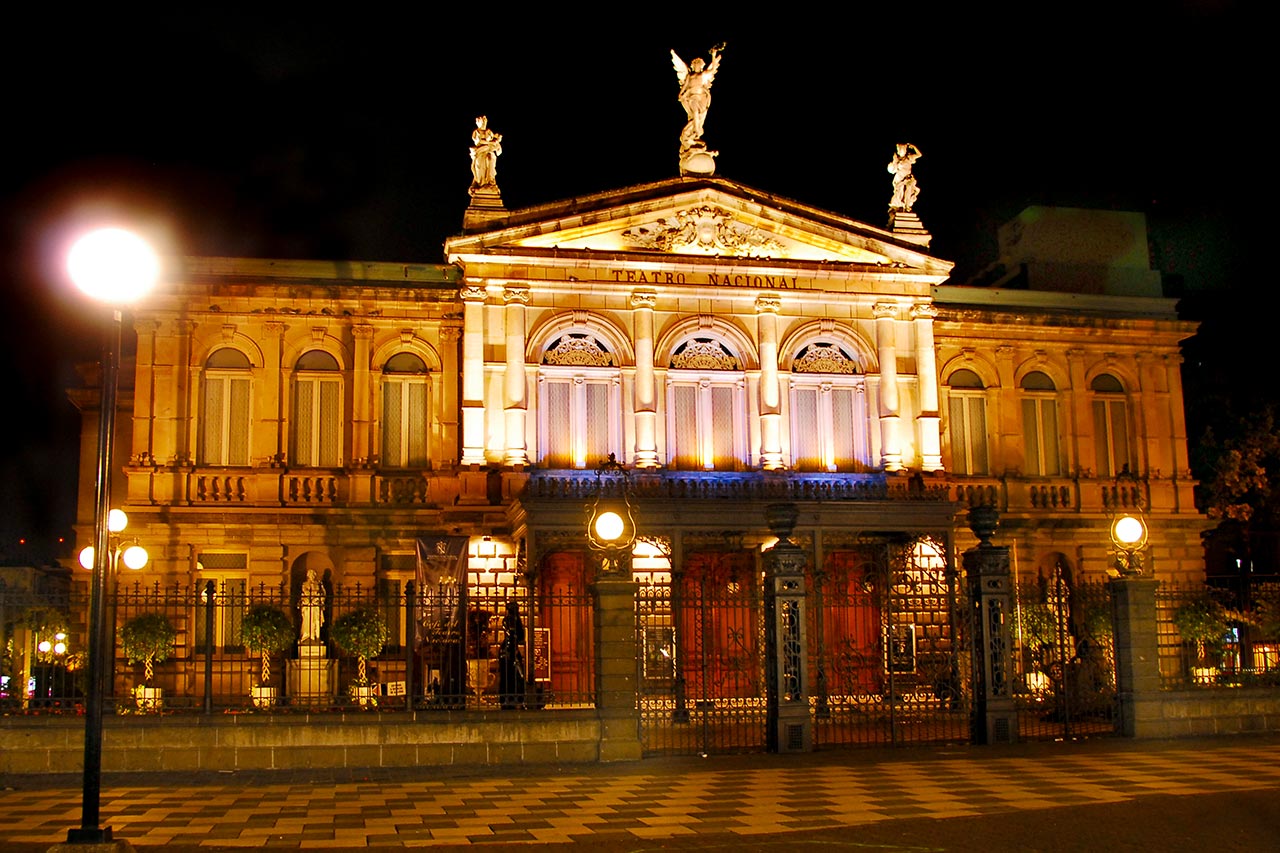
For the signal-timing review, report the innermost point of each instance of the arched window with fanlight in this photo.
(579, 402)
(405, 407)
(967, 423)
(1111, 433)
(317, 411)
(828, 407)
(1040, 425)
(224, 410)
(706, 407)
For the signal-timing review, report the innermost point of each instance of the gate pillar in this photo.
(987, 567)
(789, 727)
(616, 687)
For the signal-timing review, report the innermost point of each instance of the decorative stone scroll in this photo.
(703, 354)
(706, 227)
(823, 358)
(578, 350)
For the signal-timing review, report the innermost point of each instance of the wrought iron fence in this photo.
(202, 648)
(1218, 637)
(1064, 656)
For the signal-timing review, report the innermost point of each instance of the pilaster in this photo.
(930, 424)
(515, 406)
(473, 426)
(645, 400)
(767, 307)
(886, 314)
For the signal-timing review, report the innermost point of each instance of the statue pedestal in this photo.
(907, 226)
(312, 676)
(485, 209)
(696, 160)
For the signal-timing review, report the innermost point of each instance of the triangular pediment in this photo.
(705, 217)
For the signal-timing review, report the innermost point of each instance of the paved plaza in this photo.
(1122, 795)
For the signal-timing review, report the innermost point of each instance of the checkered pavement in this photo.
(662, 799)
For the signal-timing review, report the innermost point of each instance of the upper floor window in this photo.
(828, 411)
(224, 411)
(1111, 426)
(967, 426)
(1040, 425)
(405, 408)
(706, 407)
(317, 412)
(579, 403)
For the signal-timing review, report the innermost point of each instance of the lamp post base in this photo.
(85, 840)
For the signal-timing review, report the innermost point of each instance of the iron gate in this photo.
(1064, 657)
(888, 650)
(889, 646)
(701, 657)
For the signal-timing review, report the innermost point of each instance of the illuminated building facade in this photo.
(733, 349)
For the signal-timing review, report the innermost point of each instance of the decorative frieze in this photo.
(708, 228)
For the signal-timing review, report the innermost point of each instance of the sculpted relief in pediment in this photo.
(705, 228)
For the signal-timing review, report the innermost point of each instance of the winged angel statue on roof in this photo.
(695, 95)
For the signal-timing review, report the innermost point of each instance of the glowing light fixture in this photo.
(1128, 527)
(611, 525)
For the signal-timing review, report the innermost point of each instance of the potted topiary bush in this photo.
(362, 633)
(1205, 621)
(148, 639)
(265, 630)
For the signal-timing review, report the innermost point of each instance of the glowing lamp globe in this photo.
(1128, 530)
(86, 558)
(113, 266)
(117, 520)
(609, 526)
(135, 557)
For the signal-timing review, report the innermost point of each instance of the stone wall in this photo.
(1209, 711)
(259, 741)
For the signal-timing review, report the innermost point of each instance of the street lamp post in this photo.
(115, 267)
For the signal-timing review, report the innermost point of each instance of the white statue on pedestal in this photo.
(311, 605)
(485, 148)
(695, 81)
(905, 190)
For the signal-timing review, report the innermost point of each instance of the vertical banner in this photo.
(439, 634)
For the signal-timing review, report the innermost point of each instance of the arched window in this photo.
(579, 402)
(968, 423)
(1040, 425)
(706, 407)
(405, 409)
(828, 407)
(1111, 426)
(224, 411)
(317, 411)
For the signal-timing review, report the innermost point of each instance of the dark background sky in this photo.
(346, 136)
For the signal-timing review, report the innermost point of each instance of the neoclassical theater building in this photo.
(731, 348)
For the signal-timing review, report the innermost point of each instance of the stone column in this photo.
(473, 298)
(361, 398)
(271, 441)
(767, 307)
(788, 725)
(1081, 453)
(444, 399)
(995, 718)
(646, 392)
(930, 423)
(515, 404)
(886, 314)
(1010, 450)
(616, 677)
(1133, 612)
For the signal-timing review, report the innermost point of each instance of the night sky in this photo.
(346, 137)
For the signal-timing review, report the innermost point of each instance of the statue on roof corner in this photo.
(485, 148)
(695, 81)
(905, 190)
